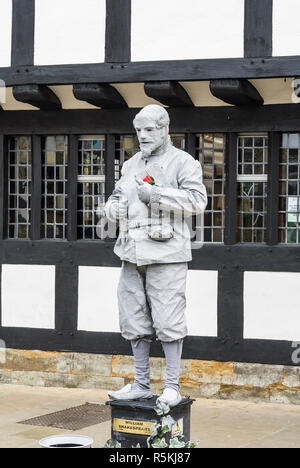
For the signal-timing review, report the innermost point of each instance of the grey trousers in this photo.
(152, 301)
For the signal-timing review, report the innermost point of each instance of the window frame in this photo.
(76, 122)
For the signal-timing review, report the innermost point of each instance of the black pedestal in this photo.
(131, 420)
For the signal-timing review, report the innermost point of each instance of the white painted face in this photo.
(150, 137)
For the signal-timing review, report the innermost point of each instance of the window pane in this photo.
(252, 155)
(19, 187)
(91, 156)
(289, 189)
(210, 151)
(54, 190)
(252, 188)
(91, 190)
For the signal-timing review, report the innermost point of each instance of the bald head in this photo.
(154, 112)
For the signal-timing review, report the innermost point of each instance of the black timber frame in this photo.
(22, 48)
(231, 260)
(258, 28)
(170, 70)
(118, 31)
(256, 63)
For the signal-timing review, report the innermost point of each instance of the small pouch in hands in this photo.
(160, 232)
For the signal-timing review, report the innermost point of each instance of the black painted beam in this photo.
(110, 151)
(230, 305)
(101, 95)
(252, 257)
(277, 117)
(118, 31)
(236, 92)
(258, 28)
(22, 48)
(3, 186)
(37, 95)
(190, 143)
(273, 188)
(276, 352)
(231, 189)
(36, 188)
(178, 70)
(72, 188)
(169, 93)
(66, 299)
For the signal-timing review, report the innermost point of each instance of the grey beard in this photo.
(147, 151)
(154, 150)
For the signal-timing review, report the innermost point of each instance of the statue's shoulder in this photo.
(131, 162)
(182, 155)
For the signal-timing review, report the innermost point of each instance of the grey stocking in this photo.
(141, 350)
(173, 351)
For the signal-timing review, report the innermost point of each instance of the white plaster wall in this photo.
(69, 31)
(286, 31)
(28, 296)
(271, 305)
(5, 32)
(98, 306)
(202, 303)
(186, 29)
(97, 299)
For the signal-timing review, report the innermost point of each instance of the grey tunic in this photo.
(182, 195)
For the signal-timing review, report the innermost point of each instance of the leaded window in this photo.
(252, 188)
(19, 187)
(54, 181)
(91, 184)
(289, 189)
(126, 147)
(210, 151)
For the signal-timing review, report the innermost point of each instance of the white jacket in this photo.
(182, 196)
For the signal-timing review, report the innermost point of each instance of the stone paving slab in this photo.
(215, 423)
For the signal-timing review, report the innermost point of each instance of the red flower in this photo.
(149, 180)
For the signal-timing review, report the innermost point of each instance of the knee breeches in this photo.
(152, 300)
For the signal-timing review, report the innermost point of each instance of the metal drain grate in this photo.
(73, 419)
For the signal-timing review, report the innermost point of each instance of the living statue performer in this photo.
(159, 188)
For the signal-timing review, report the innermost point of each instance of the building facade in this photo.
(73, 76)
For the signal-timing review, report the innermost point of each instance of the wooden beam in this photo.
(258, 28)
(110, 151)
(36, 190)
(275, 117)
(100, 95)
(118, 31)
(231, 189)
(169, 93)
(137, 72)
(22, 47)
(72, 188)
(236, 92)
(273, 188)
(37, 95)
(3, 186)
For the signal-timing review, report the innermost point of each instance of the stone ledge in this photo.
(199, 379)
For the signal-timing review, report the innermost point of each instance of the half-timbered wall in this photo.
(59, 293)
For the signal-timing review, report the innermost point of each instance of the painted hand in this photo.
(144, 191)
